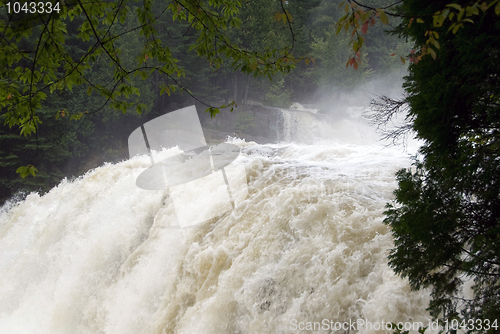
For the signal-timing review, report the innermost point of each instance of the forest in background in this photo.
(68, 148)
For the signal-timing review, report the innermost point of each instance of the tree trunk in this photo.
(235, 98)
(226, 94)
(246, 89)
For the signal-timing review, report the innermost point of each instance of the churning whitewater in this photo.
(100, 255)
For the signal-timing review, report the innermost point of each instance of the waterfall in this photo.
(306, 126)
(298, 126)
(307, 246)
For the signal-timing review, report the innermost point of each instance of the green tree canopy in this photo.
(38, 58)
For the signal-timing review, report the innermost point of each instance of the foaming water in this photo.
(100, 255)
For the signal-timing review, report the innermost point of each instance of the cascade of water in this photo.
(100, 255)
(299, 126)
(307, 127)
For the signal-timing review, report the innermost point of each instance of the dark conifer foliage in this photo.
(446, 217)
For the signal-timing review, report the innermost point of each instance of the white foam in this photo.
(98, 254)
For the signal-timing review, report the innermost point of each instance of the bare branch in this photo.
(383, 111)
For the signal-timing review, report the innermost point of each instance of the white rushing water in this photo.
(99, 255)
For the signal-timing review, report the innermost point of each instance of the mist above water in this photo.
(340, 116)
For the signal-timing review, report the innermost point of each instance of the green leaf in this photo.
(454, 5)
(470, 11)
(213, 111)
(432, 53)
(339, 28)
(456, 27)
(383, 17)
(434, 42)
(435, 19)
(76, 117)
(24, 171)
(165, 90)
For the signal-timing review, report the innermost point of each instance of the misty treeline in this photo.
(64, 147)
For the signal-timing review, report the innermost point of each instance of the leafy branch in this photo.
(28, 76)
(359, 17)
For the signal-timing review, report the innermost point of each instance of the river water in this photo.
(307, 245)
